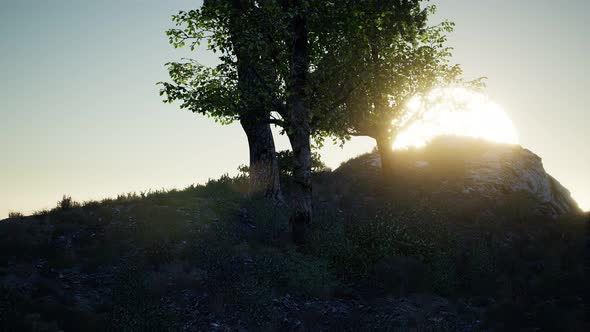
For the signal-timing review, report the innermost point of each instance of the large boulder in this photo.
(459, 171)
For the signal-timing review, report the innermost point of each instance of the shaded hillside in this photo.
(382, 256)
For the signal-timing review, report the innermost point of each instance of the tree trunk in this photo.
(254, 117)
(301, 209)
(299, 126)
(384, 147)
(264, 170)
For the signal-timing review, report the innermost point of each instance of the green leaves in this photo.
(386, 56)
(367, 59)
(200, 89)
(247, 82)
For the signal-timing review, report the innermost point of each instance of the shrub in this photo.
(15, 215)
(355, 245)
(40, 213)
(67, 203)
(285, 163)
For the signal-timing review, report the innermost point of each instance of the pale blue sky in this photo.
(80, 112)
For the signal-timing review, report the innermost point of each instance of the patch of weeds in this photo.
(15, 215)
(23, 239)
(266, 220)
(158, 253)
(443, 274)
(479, 274)
(12, 310)
(135, 308)
(291, 271)
(158, 226)
(226, 187)
(40, 213)
(518, 206)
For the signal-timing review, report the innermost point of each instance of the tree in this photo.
(400, 58)
(234, 89)
(263, 72)
(298, 116)
(310, 30)
(292, 63)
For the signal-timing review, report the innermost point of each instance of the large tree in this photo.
(293, 63)
(262, 78)
(297, 116)
(236, 88)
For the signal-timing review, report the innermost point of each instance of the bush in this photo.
(67, 203)
(362, 246)
(15, 215)
(285, 163)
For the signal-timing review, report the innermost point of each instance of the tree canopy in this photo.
(393, 56)
(314, 68)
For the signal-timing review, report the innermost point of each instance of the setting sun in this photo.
(459, 112)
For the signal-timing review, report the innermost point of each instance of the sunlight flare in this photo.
(458, 112)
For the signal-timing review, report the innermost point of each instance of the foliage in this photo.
(67, 203)
(395, 56)
(237, 87)
(14, 214)
(285, 161)
(311, 67)
(340, 74)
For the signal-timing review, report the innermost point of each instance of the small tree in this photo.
(396, 60)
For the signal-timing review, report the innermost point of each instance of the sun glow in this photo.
(455, 111)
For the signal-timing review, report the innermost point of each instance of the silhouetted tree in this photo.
(263, 78)
(396, 57)
(295, 64)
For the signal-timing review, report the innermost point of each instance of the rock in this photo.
(466, 171)
(518, 170)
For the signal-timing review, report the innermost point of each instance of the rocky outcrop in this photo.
(464, 169)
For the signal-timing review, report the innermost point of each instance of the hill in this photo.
(468, 236)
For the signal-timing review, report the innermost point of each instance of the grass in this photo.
(164, 252)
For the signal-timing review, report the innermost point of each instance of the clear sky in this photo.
(80, 112)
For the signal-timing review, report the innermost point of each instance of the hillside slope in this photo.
(422, 252)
